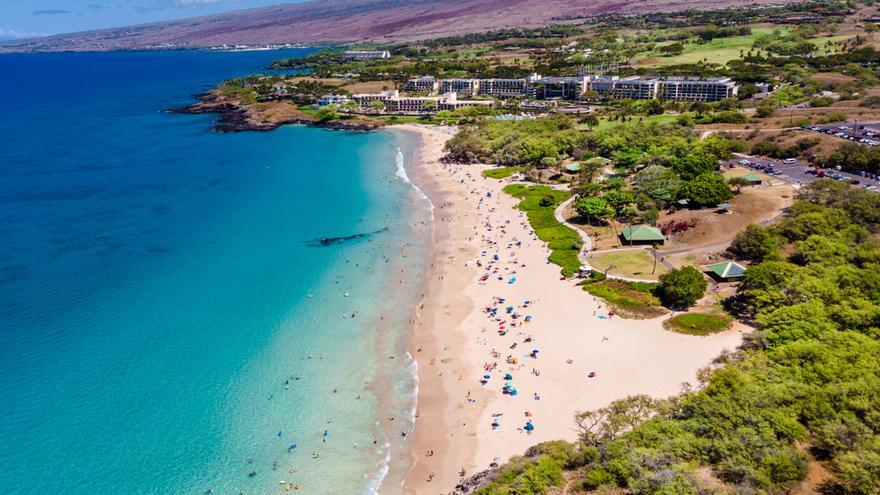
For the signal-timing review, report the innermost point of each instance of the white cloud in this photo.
(11, 34)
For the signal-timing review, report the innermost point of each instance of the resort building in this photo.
(464, 87)
(565, 88)
(635, 88)
(698, 89)
(367, 55)
(333, 100)
(395, 103)
(363, 100)
(601, 84)
(573, 88)
(504, 88)
(425, 84)
(412, 104)
(450, 101)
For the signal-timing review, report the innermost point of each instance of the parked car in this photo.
(789, 161)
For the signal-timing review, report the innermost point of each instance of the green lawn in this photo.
(564, 242)
(501, 172)
(719, 50)
(722, 50)
(607, 124)
(822, 42)
(631, 263)
(698, 323)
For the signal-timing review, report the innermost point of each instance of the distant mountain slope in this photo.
(352, 20)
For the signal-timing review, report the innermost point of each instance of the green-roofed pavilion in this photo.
(753, 178)
(726, 270)
(573, 168)
(642, 234)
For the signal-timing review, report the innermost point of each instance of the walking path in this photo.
(587, 248)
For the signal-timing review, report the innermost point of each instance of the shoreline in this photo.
(454, 340)
(434, 345)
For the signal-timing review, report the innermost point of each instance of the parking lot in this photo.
(799, 172)
(867, 133)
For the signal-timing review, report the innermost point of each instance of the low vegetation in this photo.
(501, 172)
(701, 324)
(539, 203)
(682, 287)
(628, 299)
(634, 263)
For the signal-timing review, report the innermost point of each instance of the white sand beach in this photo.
(456, 337)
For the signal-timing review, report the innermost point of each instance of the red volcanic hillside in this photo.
(353, 20)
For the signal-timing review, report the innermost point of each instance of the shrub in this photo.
(756, 243)
(681, 287)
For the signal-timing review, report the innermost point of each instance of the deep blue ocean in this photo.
(165, 326)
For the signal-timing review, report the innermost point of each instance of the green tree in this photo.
(376, 105)
(860, 469)
(589, 120)
(681, 287)
(653, 107)
(350, 106)
(765, 110)
(694, 164)
(593, 208)
(708, 189)
(659, 183)
(739, 183)
(327, 113)
(606, 424)
(756, 243)
(672, 50)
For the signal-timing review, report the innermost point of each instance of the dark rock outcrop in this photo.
(236, 118)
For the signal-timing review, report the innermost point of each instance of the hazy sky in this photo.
(28, 18)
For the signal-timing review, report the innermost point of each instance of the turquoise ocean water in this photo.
(165, 326)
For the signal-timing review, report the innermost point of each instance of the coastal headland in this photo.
(234, 116)
(517, 347)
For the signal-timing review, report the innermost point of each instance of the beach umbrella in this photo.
(508, 377)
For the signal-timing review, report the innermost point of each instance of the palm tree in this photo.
(350, 106)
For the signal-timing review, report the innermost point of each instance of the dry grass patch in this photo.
(634, 263)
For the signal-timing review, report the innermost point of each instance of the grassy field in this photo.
(539, 203)
(698, 323)
(607, 124)
(720, 50)
(631, 263)
(501, 172)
